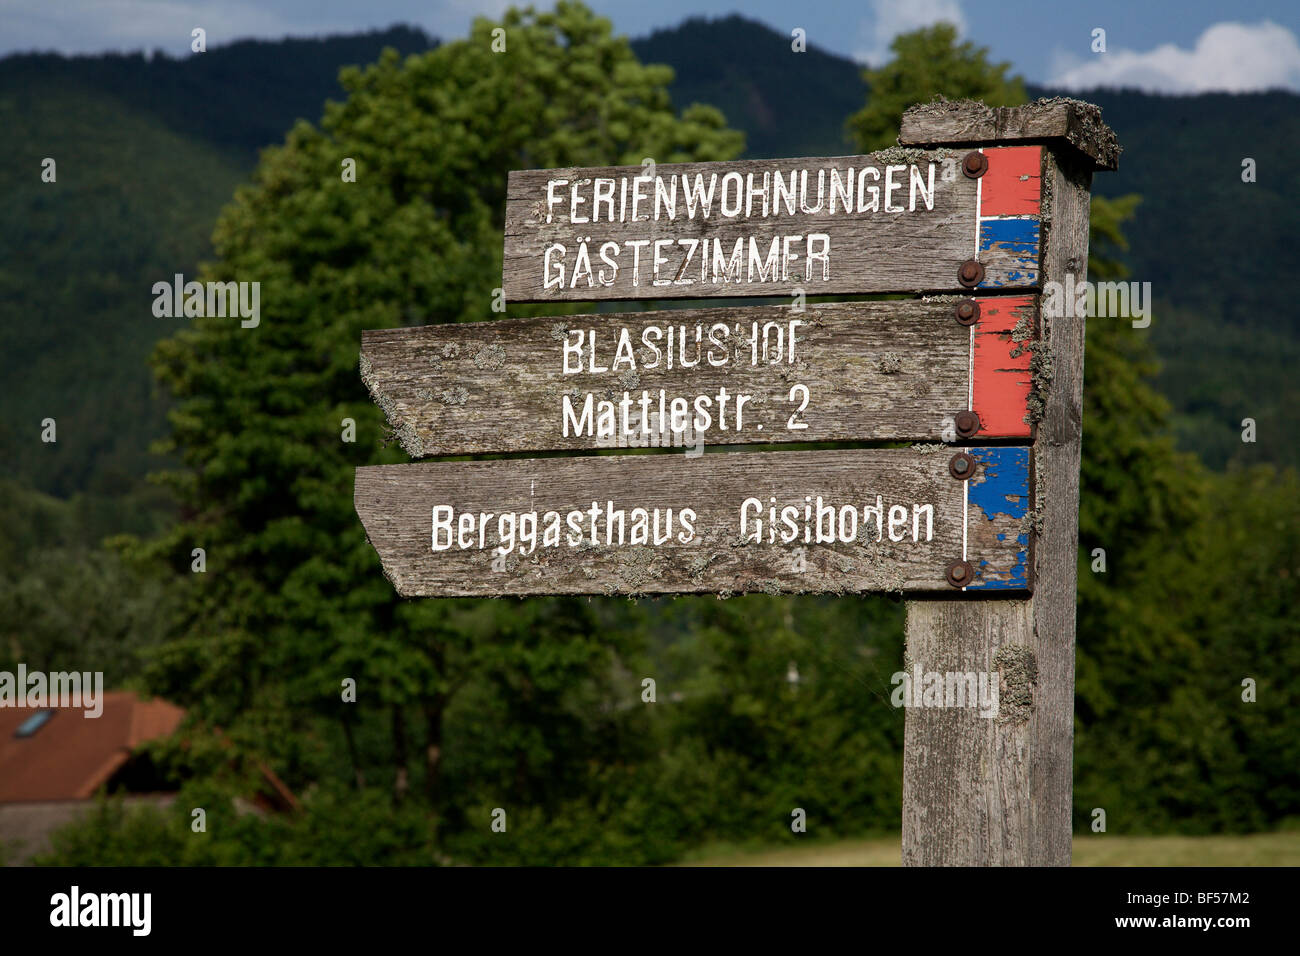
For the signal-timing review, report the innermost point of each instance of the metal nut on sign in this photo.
(966, 312)
(960, 574)
(962, 466)
(974, 164)
(970, 274)
(968, 423)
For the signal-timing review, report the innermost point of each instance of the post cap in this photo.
(946, 122)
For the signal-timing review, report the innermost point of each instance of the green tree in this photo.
(64, 604)
(1246, 574)
(927, 63)
(358, 830)
(786, 703)
(293, 601)
(1147, 739)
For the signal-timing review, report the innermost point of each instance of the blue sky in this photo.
(1166, 45)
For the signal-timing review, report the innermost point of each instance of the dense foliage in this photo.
(926, 63)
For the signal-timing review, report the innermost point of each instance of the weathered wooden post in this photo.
(998, 792)
(979, 208)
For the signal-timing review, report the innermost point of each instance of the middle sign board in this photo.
(860, 371)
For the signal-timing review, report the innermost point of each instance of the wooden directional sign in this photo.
(960, 214)
(900, 520)
(865, 371)
(902, 220)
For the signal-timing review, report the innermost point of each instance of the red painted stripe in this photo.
(1012, 186)
(1001, 384)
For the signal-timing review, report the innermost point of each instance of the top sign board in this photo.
(902, 220)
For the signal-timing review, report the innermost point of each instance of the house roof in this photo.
(71, 756)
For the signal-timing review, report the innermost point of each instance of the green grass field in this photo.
(1259, 849)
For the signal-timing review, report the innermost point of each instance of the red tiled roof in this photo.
(72, 755)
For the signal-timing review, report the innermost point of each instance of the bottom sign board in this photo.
(927, 518)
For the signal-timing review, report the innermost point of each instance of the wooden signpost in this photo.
(973, 213)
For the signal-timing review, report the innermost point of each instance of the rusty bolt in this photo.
(975, 164)
(962, 466)
(968, 423)
(967, 312)
(960, 574)
(970, 274)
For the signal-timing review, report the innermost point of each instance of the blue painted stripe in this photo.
(1019, 239)
(1004, 490)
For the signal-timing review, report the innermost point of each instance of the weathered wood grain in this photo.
(891, 371)
(869, 249)
(999, 792)
(1057, 455)
(715, 554)
(966, 795)
(965, 122)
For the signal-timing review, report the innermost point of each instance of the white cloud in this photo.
(891, 17)
(1230, 57)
